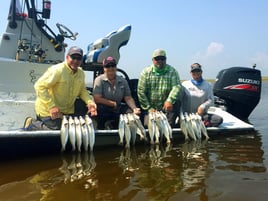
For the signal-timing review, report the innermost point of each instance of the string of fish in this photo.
(79, 131)
(192, 126)
(129, 126)
(158, 126)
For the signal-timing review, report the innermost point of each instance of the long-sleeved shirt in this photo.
(59, 86)
(154, 89)
(194, 96)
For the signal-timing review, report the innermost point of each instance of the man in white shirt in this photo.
(198, 96)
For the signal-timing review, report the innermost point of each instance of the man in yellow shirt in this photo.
(56, 91)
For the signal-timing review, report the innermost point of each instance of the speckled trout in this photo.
(72, 137)
(85, 140)
(91, 132)
(64, 133)
(78, 133)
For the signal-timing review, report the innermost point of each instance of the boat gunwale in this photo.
(113, 132)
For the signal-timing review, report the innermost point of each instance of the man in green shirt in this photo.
(159, 87)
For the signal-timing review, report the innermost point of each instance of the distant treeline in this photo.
(264, 78)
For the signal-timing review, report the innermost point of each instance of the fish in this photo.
(160, 127)
(202, 127)
(127, 132)
(91, 132)
(166, 128)
(198, 124)
(189, 127)
(140, 130)
(121, 129)
(78, 133)
(72, 137)
(132, 127)
(151, 126)
(85, 140)
(64, 133)
(183, 126)
(157, 133)
(167, 135)
(92, 142)
(166, 123)
(195, 126)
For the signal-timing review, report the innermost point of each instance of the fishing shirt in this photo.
(155, 89)
(194, 96)
(103, 87)
(59, 86)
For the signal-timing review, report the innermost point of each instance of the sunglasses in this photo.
(78, 58)
(196, 71)
(160, 58)
(110, 66)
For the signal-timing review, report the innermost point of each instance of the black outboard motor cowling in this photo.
(240, 88)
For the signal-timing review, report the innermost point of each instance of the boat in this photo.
(29, 46)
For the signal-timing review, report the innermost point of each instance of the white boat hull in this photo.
(15, 142)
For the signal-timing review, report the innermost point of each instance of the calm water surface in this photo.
(229, 167)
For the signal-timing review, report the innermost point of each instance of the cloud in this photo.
(214, 48)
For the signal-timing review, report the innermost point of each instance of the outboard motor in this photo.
(240, 89)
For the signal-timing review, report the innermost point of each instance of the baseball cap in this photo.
(109, 60)
(75, 50)
(196, 67)
(159, 52)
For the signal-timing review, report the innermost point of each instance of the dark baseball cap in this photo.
(108, 61)
(75, 50)
(196, 67)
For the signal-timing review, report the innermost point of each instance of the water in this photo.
(229, 167)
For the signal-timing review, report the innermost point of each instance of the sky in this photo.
(217, 34)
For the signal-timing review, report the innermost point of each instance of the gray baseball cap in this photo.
(75, 50)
